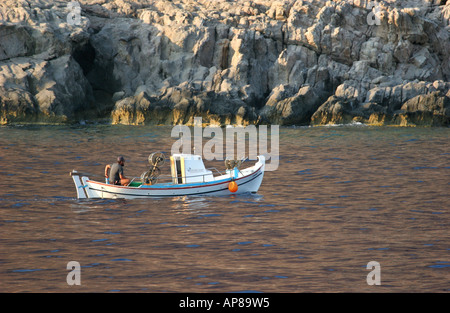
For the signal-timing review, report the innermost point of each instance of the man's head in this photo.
(121, 160)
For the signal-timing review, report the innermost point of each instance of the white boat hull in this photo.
(248, 180)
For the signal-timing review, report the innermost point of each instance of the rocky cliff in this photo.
(230, 62)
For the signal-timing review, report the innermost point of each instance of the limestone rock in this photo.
(163, 62)
(50, 91)
(334, 111)
(294, 110)
(426, 110)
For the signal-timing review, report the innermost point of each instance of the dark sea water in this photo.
(341, 197)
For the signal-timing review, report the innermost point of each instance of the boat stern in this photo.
(80, 184)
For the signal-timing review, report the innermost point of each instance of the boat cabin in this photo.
(189, 168)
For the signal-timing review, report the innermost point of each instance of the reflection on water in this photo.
(341, 197)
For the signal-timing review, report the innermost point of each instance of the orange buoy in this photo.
(232, 186)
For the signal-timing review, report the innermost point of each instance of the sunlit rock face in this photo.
(230, 62)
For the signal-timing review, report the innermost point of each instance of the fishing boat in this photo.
(188, 177)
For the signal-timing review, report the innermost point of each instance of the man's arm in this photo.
(123, 180)
(107, 168)
(121, 175)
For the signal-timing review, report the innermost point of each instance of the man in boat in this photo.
(116, 176)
